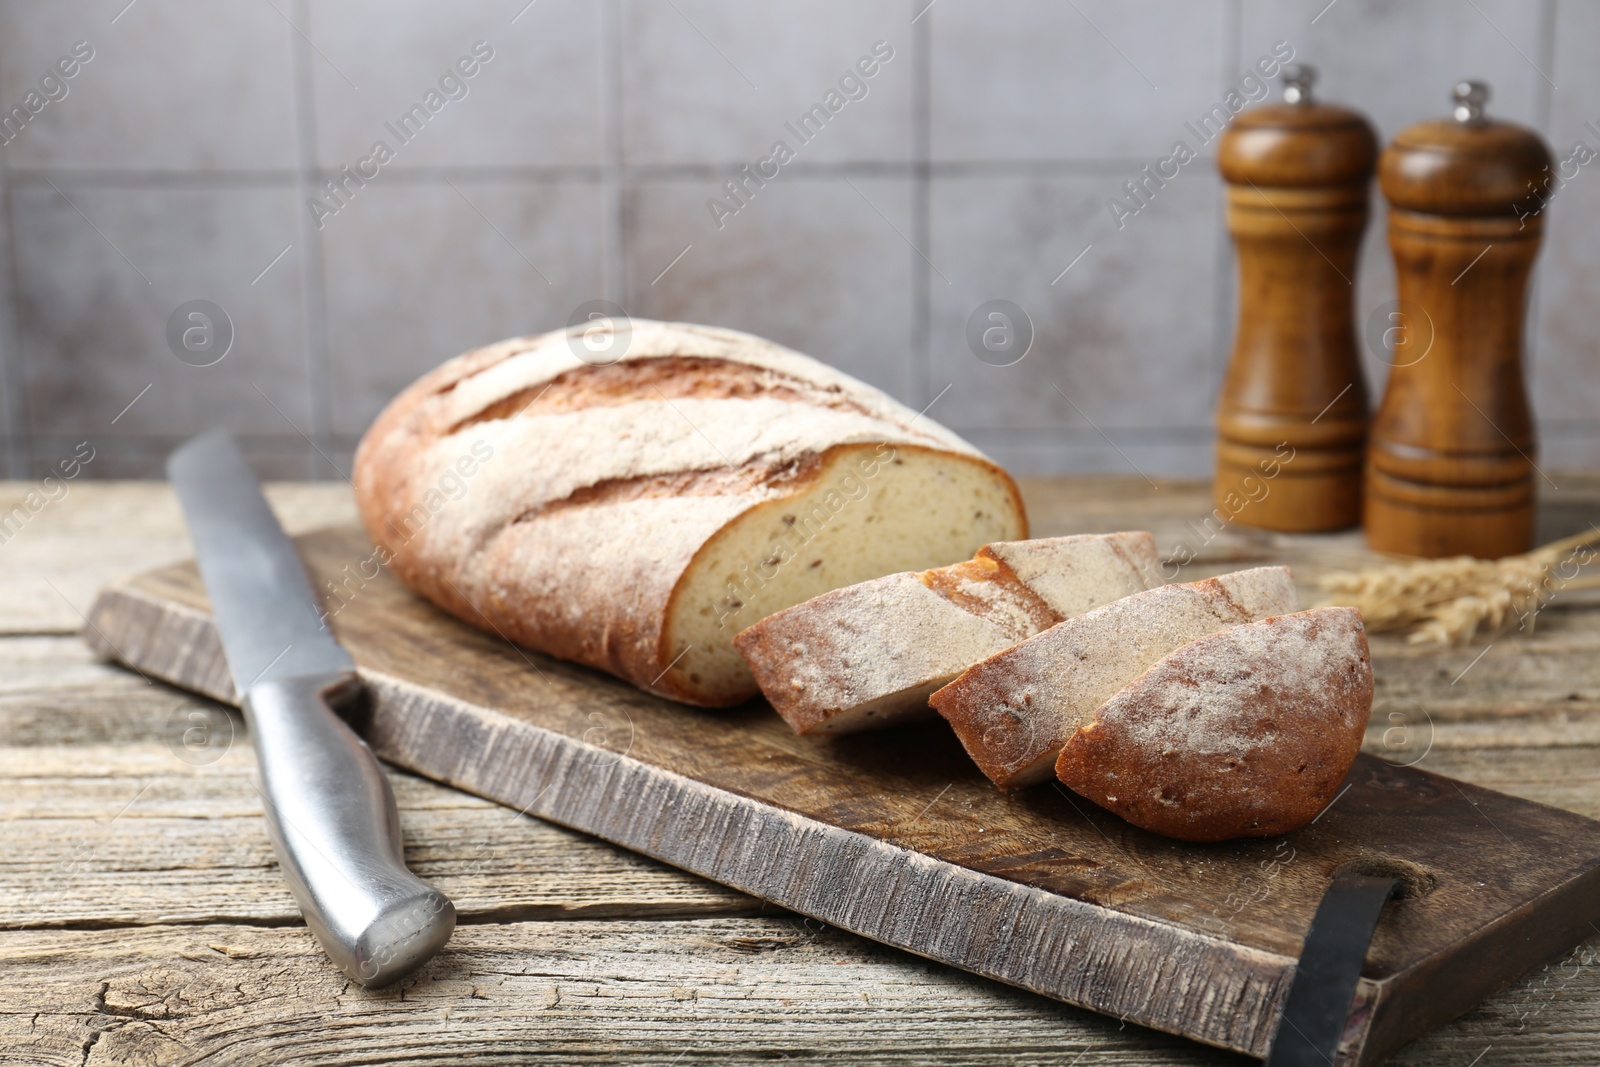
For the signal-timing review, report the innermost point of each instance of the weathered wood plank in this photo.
(192, 847)
(739, 990)
(670, 992)
(1507, 724)
(54, 560)
(110, 818)
(1028, 887)
(165, 846)
(1567, 778)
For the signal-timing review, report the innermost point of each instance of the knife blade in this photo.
(330, 813)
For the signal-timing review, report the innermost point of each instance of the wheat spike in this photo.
(1449, 601)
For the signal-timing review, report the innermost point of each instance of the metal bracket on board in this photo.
(1318, 1005)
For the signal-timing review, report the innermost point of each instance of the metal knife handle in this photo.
(336, 831)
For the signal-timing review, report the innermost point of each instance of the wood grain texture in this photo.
(56, 558)
(667, 992)
(83, 739)
(880, 1005)
(106, 824)
(904, 842)
(1451, 468)
(1292, 414)
(722, 990)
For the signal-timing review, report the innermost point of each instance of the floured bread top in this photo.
(1245, 732)
(1014, 711)
(605, 505)
(1074, 574)
(907, 633)
(986, 589)
(872, 639)
(686, 411)
(1197, 699)
(545, 375)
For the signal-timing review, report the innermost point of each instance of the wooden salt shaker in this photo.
(1292, 417)
(1450, 470)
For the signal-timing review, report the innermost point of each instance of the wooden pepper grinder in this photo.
(1292, 418)
(1450, 470)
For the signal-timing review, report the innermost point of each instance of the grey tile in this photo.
(1039, 79)
(93, 324)
(174, 85)
(712, 82)
(1575, 102)
(535, 102)
(812, 263)
(1396, 61)
(13, 430)
(418, 273)
(280, 457)
(1565, 363)
(1565, 448)
(1124, 340)
(1566, 341)
(342, 451)
(1180, 453)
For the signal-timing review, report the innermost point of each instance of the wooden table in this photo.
(142, 918)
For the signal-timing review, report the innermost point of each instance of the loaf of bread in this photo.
(634, 515)
(869, 655)
(1243, 733)
(1015, 711)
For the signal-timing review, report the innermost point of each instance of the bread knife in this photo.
(330, 813)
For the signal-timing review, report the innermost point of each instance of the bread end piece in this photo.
(1244, 733)
(1014, 711)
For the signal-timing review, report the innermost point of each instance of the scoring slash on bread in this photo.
(632, 515)
(1243, 733)
(1015, 711)
(869, 655)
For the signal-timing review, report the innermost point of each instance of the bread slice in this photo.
(869, 655)
(1015, 711)
(633, 513)
(1243, 733)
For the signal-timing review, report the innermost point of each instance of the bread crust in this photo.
(1244, 733)
(870, 654)
(1014, 711)
(593, 489)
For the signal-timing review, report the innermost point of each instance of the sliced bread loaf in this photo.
(1015, 711)
(869, 655)
(633, 514)
(1243, 733)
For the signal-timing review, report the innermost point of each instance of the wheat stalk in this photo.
(1448, 601)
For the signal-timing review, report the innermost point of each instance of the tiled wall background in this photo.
(579, 164)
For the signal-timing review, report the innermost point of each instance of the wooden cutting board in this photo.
(896, 836)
